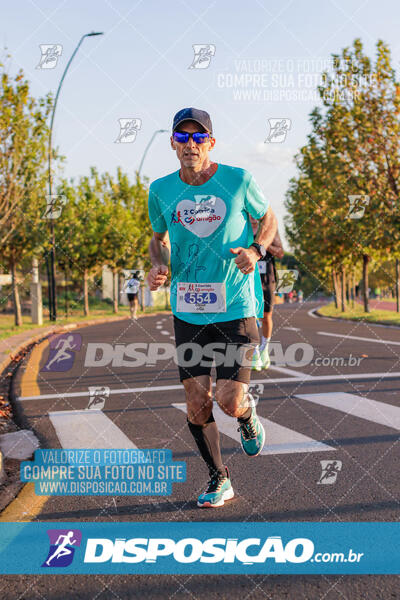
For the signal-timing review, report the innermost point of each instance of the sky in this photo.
(262, 65)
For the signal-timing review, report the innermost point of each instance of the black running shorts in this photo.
(269, 296)
(230, 343)
(268, 282)
(132, 297)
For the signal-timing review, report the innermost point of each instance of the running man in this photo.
(132, 290)
(62, 549)
(267, 270)
(63, 345)
(215, 298)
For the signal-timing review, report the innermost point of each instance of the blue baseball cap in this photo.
(193, 114)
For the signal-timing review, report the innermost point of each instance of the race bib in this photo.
(201, 297)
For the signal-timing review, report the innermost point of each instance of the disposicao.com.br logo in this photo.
(215, 547)
(247, 551)
(62, 547)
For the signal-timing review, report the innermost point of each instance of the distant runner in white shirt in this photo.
(132, 290)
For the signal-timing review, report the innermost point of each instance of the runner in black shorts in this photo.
(233, 334)
(200, 219)
(268, 276)
(132, 291)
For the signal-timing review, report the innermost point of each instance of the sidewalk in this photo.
(377, 304)
(10, 346)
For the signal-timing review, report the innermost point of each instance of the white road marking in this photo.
(286, 371)
(292, 328)
(88, 429)
(165, 332)
(358, 406)
(279, 439)
(163, 388)
(355, 337)
(159, 326)
(340, 377)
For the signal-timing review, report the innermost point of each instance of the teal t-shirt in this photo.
(204, 222)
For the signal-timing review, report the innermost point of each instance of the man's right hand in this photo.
(157, 277)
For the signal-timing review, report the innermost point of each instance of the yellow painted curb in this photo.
(29, 381)
(25, 507)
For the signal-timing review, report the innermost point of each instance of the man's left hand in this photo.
(246, 259)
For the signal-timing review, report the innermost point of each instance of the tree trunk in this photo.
(397, 285)
(49, 290)
(142, 296)
(366, 260)
(343, 290)
(348, 285)
(115, 291)
(15, 293)
(335, 288)
(354, 288)
(85, 292)
(66, 292)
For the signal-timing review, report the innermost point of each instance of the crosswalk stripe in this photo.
(357, 406)
(292, 372)
(88, 429)
(280, 439)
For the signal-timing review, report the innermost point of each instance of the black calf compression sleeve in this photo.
(207, 440)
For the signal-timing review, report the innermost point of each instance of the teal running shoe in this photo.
(265, 359)
(218, 490)
(252, 435)
(256, 363)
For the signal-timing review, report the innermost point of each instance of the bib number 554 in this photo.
(200, 297)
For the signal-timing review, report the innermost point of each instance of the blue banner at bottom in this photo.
(199, 548)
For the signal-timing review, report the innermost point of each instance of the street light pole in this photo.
(51, 263)
(148, 146)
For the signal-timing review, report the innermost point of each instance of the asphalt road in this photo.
(342, 405)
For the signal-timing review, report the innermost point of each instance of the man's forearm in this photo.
(159, 250)
(276, 251)
(267, 228)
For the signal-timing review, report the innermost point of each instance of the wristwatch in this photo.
(260, 249)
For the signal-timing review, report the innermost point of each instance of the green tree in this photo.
(352, 151)
(362, 124)
(23, 153)
(129, 230)
(81, 230)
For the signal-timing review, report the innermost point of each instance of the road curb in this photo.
(2, 470)
(45, 334)
(59, 329)
(315, 313)
(50, 331)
